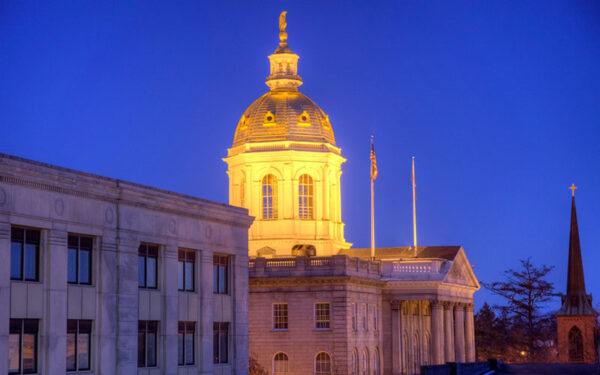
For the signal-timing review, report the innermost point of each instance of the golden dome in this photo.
(283, 115)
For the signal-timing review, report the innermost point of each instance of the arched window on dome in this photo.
(322, 364)
(305, 197)
(575, 345)
(269, 197)
(280, 364)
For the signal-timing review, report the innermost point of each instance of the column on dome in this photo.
(449, 331)
(469, 333)
(396, 338)
(437, 332)
(459, 332)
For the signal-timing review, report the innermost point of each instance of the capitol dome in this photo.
(283, 115)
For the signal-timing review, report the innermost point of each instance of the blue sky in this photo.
(498, 101)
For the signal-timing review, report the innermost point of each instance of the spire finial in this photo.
(573, 187)
(282, 26)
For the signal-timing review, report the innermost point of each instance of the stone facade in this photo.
(386, 316)
(119, 216)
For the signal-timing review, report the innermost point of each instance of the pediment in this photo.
(461, 272)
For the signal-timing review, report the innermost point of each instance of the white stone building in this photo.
(103, 276)
(317, 306)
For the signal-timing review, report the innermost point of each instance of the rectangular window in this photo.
(280, 316)
(79, 339)
(79, 270)
(147, 266)
(147, 343)
(322, 316)
(187, 260)
(220, 274)
(365, 317)
(22, 346)
(354, 321)
(185, 343)
(221, 342)
(24, 254)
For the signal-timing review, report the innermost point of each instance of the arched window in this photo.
(575, 345)
(269, 197)
(365, 359)
(305, 197)
(322, 364)
(243, 192)
(405, 350)
(280, 363)
(355, 365)
(416, 353)
(427, 349)
(376, 362)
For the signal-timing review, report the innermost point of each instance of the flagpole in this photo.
(414, 190)
(372, 207)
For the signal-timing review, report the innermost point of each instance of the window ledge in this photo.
(322, 330)
(280, 330)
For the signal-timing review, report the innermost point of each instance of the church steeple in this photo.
(576, 301)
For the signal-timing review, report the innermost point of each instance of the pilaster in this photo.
(205, 313)
(437, 332)
(459, 332)
(4, 292)
(127, 306)
(396, 338)
(170, 319)
(449, 331)
(240, 325)
(54, 343)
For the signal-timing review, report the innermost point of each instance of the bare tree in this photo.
(526, 290)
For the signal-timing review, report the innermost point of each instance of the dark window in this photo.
(220, 274)
(575, 345)
(185, 343)
(147, 266)
(220, 342)
(187, 260)
(22, 346)
(147, 343)
(280, 316)
(80, 260)
(24, 254)
(322, 316)
(79, 341)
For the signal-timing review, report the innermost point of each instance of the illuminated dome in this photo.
(284, 113)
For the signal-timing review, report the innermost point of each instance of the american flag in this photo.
(373, 162)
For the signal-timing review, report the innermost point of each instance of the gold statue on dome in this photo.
(282, 25)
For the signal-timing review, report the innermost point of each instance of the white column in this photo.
(105, 326)
(437, 332)
(205, 312)
(469, 333)
(4, 291)
(396, 339)
(449, 331)
(55, 286)
(170, 309)
(459, 332)
(127, 305)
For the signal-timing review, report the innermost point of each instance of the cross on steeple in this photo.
(573, 187)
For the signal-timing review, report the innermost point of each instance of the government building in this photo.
(104, 276)
(316, 305)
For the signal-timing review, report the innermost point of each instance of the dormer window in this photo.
(304, 119)
(243, 123)
(269, 119)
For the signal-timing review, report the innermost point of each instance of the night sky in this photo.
(498, 101)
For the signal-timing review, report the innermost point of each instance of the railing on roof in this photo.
(337, 265)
